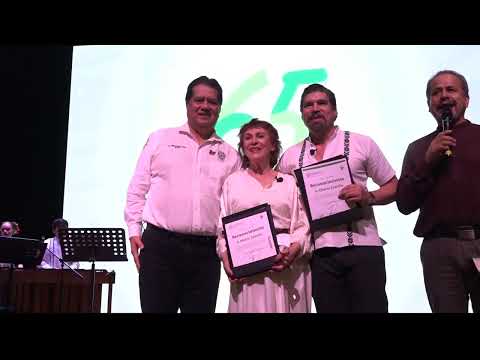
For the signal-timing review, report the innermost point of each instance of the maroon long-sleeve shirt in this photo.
(449, 194)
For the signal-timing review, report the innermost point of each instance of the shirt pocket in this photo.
(168, 160)
(215, 172)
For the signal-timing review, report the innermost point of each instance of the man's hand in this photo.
(439, 145)
(354, 193)
(136, 245)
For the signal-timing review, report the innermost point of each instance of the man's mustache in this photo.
(446, 106)
(316, 115)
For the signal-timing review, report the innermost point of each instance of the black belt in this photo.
(467, 232)
(201, 238)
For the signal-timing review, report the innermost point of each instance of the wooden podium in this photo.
(41, 290)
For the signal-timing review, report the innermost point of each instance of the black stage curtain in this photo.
(35, 94)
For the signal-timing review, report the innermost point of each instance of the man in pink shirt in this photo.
(175, 192)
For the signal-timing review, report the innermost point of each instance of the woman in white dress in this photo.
(286, 287)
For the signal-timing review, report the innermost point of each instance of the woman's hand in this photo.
(228, 269)
(286, 257)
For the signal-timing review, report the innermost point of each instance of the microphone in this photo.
(446, 119)
(279, 178)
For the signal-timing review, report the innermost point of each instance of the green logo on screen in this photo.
(231, 119)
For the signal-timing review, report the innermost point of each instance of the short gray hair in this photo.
(449, 72)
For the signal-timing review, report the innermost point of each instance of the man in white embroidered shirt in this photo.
(348, 261)
(176, 190)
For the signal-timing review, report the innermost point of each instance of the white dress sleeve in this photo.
(299, 227)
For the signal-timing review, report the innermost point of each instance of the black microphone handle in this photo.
(446, 125)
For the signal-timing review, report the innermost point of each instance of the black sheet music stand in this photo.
(93, 244)
(16, 250)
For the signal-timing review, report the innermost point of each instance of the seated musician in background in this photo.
(54, 251)
(8, 229)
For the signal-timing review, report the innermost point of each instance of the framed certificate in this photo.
(319, 185)
(251, 240)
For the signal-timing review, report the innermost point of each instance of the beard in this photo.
(319, 125)
(451, 112)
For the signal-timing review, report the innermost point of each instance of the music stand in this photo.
(16, 250)
(93, 244)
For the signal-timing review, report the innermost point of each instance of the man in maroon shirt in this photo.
(441, 177)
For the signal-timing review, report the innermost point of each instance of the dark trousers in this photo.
(450, 275)
(178, 271)
(349, 280)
